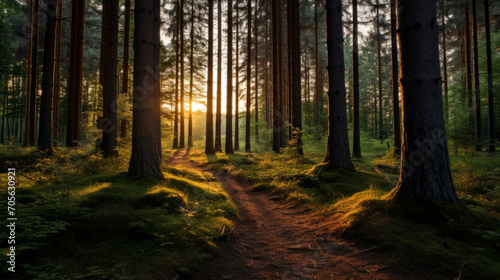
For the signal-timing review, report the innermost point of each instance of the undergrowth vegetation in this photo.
(446, 241)
(81, 217)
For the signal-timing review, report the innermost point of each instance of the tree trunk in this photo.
(356, 132)
(425, 165)
(468, 64)
(182, 139)
(218, 114)
(45, 131)
(267, 98)
(57, 78)
(249, 76)
(175, 145)
(145, 158)
(282, 100)
(126, 48)
(27, 116)
(190, 116)
(491, 110)
(296, 80)
(477, 94)
(110, 77)
(4, 107)
(379, 59)
(229, 99)
(256, 74)
(75, 79)
(445, 65)
(276, 113)
(237, 79)
(33, 89)
(209, 144)
(337, 154)
(396, 121)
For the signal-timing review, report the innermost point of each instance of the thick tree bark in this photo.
(46, 103)
(337, 154)
(76, 72)
(218, 114)
(110, 77)
(229, 91)
(356, 132)
(296, 80)
(57, 78)
(249, 76)
(182, 139)
(175, 145)
(276, 113)
(396, 119)
(209, 140)
(190, 116)
(379, 59)
(145, 158)
(477, 94)
(425, 165)
(491, 109)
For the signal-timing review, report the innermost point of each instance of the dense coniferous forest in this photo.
(250, 139)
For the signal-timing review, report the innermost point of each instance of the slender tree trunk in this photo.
(33, 93)
(182, 139)
(249, 76)
(218, 114)
(468, 63)
(175, 145)
(477, 94)
(4, 107)
(296, 80)
(396, 121)
(237, 80)
(126, 48)
(145, 158)
(316, 60)
(276, 113)
(57, 79)
(337, 154)
(445, 64)
(282, 100)
(425, 165)
(356, 132)
(190, 117)
(491, 110)
(379, 59)
(75, 80)
(256, 75)
(229, 99)
(27, 114)
(266, 70)
(209, 145)
(110, 77)
(45, 131)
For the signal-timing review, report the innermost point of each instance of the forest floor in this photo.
(275, 239)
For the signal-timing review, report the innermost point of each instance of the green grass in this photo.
(81, 217)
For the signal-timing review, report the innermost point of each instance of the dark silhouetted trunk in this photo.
(237, 79)
(379, 59)
(256, 74)
(316, 60)
(337, 154)
(146, 152)
(175, 145)
(126, 48)
(468, 62)
(57, 78)
(182, 139)
(218, 113)
(190, 116)
(46, 102)
(396, 119)
(249, 75)
(477, 94)
(276, 112)
(356, 132)
(425, 165)
(491, 110)
(75, 75)
(110, 76)
(209, 141)
(33, 87)
(445, 64)
(296, 80)
(229, 99)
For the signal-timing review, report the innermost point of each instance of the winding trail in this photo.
(273, 239)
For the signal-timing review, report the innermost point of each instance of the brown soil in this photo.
(274, 239)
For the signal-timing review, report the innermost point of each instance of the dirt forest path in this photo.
(273, 239)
